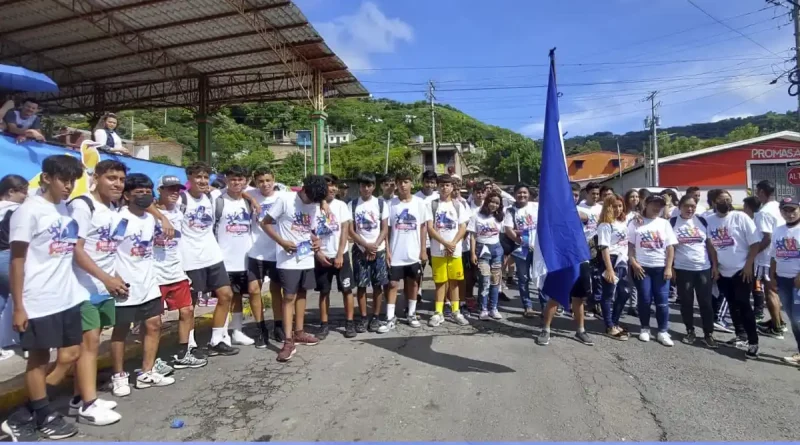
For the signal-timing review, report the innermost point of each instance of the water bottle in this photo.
(526, 242)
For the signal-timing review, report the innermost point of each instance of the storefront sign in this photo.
(775, 153)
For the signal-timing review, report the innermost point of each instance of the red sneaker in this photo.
(287, 351)
(304, 338)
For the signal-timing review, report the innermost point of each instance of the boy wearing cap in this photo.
(785, 267)
(172, 280)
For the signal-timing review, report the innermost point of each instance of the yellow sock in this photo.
(454, 305)
(439, 307)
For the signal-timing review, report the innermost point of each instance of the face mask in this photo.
(723, 207)
(143, 201)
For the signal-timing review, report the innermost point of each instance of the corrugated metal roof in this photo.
(152, 53)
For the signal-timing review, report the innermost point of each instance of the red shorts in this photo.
(176, 295)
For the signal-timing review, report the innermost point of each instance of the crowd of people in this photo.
(128, 250)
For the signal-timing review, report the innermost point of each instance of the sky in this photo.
(709, 59)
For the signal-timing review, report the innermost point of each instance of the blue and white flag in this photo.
(560, 243)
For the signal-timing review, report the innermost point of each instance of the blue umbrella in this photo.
(16, 78)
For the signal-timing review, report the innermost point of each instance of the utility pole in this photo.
(328, 139)
(796, 18)
(388, 144)
(519, 171)
(653, 121)
(132, 138)
(645, 150)
(431, 89)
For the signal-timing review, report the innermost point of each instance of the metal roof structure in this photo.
(123, 54)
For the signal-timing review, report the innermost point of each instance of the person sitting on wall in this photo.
(24, 123)
(105, 134)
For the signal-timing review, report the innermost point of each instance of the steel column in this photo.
(203, 124)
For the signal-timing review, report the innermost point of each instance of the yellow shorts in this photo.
(447, 269)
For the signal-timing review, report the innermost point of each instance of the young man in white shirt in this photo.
(262, 258)
(388, 187)
(142, 304)
(292, 223)
(233, 218)
(408, 222)
(368, 231)
(172, 281)
(201, 255)
(447, 229)
(95, 255)
(47, 297)
(332, 261)
(767, 220)
(520, 227)
(427, 194)
(785, 267)
(735, 239)
(591, 207)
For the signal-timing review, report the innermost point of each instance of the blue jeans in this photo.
(615, 295)
(791, 304)
(523, 266)
(490, 265)
(653, 287)
(5, 284)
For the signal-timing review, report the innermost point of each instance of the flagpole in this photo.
(553, 62)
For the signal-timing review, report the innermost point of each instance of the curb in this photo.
(16, 396)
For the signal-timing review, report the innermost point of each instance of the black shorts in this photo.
(209, 279)
(60, 330)
(583, 287)
(398, 273)
(261, 269)
(134, 314)
(324, 275)
(240, 281)
(295, 280)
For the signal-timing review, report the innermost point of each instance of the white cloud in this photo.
(722, 117)
(355, 37)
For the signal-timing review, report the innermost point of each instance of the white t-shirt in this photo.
(296, 222)
(166, 253)
(134, 262)
(199, 248)
(732, 237)
(786, 251)
(50, 285)
(449, 217)
(767, 220)
(465, 206)
(614, 236)
(368, 218)
(691, 252)
(651, 240)
(102, 233)
(427, 199)
(405, 221)
(234, 233)
(329, 227)
(264, 247)
(593, 214)
(525, 218)
(486, 229)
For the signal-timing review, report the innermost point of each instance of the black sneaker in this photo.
(710, 342)
(752, 351)
(690, 338)
(278, 334)
(20, 426)
(763, 323)
(584, 338)
(261, 340)
(361, 326)
(55, 428)
(349, 329)
(324, 330)
(221, 348)
(772, 332)
(759, 316)
(374, 324)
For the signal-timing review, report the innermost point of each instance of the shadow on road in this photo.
(421, 349)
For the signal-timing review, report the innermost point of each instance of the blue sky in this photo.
(489, 58)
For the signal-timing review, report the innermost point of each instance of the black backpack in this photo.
(218, 207)
(5, 231)
(354, 204)
(89, 202)
(674, 220)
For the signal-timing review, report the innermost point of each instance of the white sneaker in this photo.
(460, 319)
(484, 315)
(413, 321)
(495, 314)
(97, 415)
(644, 336)
(436, 320)
(104, 404)
(6, 354)
(240, 338)
(388, 326)
(665, 339)
(152, 378)
(121, 385)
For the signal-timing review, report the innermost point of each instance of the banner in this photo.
(25, 159)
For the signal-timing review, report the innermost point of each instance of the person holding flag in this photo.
(561, 254)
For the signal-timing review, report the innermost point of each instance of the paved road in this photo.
(488, 381)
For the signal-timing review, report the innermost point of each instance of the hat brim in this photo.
(183, 187)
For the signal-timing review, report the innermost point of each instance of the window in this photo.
(578, 163)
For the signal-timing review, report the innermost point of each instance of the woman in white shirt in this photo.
(695, 269)
(785, 268)
(485, 227)
(651, 251)
(105, 134)
(612, 241)
(632, 201)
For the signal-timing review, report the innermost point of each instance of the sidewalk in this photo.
(12, 371)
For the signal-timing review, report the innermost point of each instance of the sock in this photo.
(236, 321)
(455, 305)
(389, 311)
(75, 400)
(41, 410)
(439, 307)
(183, 349)
(192, 342)
(263, 325)
(547, 329)
(217, 335)
(412, 307)
(227, 322)
(86, 405)
(581, 329)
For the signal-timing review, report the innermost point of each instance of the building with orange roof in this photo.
(597, 166)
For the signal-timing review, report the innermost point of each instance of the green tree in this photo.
(290, 171)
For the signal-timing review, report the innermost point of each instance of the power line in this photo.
(730, 27)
